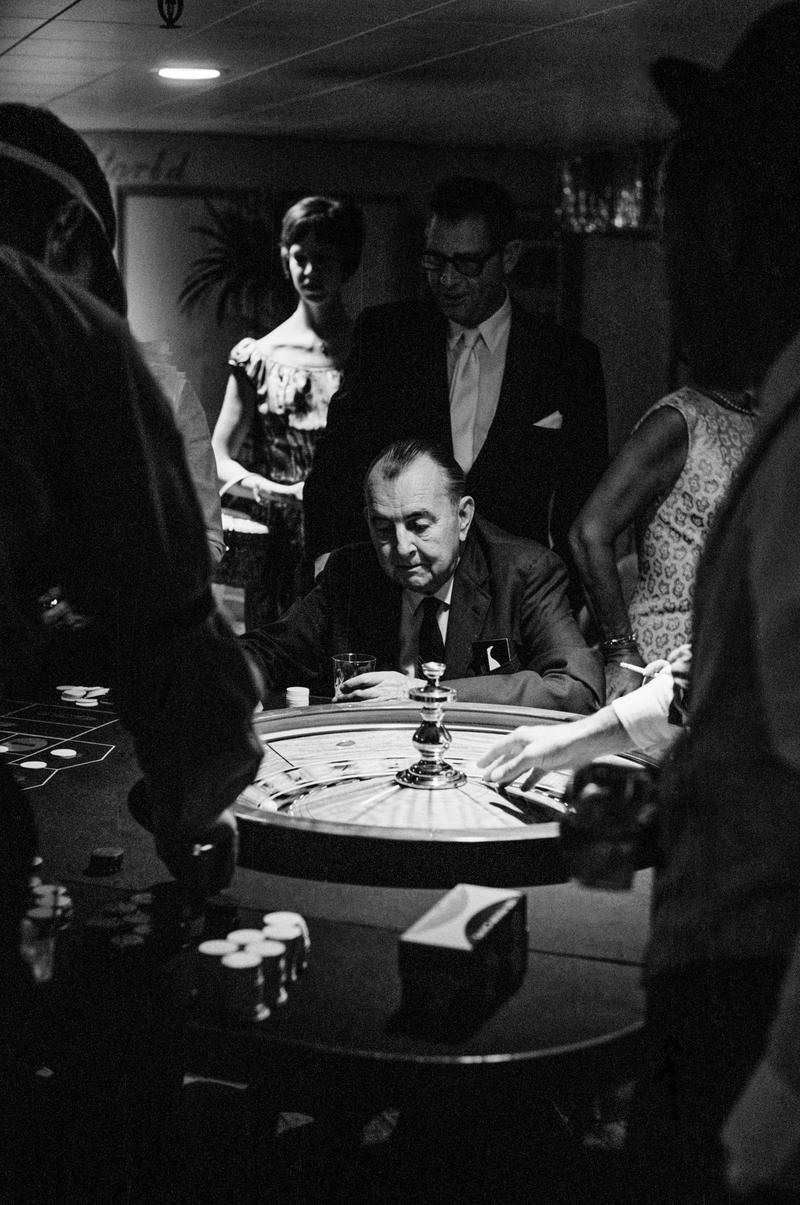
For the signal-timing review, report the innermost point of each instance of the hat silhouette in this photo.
(755, 95)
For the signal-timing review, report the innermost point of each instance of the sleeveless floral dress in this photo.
(670, 543)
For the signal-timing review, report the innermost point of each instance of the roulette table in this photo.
(327, 804)
(363, 856)
(326, 831)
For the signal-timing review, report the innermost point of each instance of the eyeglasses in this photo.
(466, 265)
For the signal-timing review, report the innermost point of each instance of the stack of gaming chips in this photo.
(291, 929)
(244, 977)
(54, 900)
(82, 696)
(123, 928)
(49, 913)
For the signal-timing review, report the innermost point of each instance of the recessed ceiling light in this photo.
(188, 73)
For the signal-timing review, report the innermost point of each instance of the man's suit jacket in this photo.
(529, 479)
(505, 588)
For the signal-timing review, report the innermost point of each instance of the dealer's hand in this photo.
(385, 686)
(761, 1136)
(543, 747)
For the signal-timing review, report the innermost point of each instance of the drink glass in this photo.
(348, 665)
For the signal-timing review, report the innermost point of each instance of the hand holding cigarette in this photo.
(649, 671)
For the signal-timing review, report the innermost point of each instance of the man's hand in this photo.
(58, 613)
(761, 1136)
(200, 871)
(385, 686)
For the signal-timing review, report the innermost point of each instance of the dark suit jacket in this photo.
(505, 588)
(395, 386)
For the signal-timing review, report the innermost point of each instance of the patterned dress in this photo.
(291, 412)
(670, 543)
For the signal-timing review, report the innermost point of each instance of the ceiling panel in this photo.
(527, 73)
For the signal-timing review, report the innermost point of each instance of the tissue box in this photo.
(469, 949)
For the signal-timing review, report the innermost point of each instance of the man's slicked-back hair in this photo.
(400, 455)
(460, 197)
(339, 223)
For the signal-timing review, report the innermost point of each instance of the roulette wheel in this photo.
(333, 801)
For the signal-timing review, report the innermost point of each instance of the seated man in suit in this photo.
(520, 402)
(437, 584)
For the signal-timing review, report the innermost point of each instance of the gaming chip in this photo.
(98, 931)
(244, 937)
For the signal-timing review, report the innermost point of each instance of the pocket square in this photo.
(552, 421)
(491, 655)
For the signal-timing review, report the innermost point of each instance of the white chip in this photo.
(33, 765)
(85, 702)
(94, 692)
(4, 749)
(64, 752)
(74, 692)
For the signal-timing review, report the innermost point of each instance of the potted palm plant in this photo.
(240, 269)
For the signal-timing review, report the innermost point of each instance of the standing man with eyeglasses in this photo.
(519, 401)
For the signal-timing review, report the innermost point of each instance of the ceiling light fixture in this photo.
(189, 73)
(170, 13)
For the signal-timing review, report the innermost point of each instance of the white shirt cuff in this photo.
(643, 713)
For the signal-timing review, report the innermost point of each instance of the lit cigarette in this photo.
(644, 671)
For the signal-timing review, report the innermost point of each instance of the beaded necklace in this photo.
(725, 398)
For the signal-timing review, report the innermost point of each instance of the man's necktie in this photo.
(430, 645)
(464, 392)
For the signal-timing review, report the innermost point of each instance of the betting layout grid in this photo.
(41, 739)
(314, 774)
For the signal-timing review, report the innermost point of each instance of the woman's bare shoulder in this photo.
(292, 343)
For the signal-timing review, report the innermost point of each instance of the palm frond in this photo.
(237, 266)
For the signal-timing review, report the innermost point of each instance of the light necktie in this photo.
(464, 394)
(430, 646)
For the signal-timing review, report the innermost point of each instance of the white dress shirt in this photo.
(474, 393)
(411, 620)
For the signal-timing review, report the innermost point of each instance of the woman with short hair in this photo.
(280, 386)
